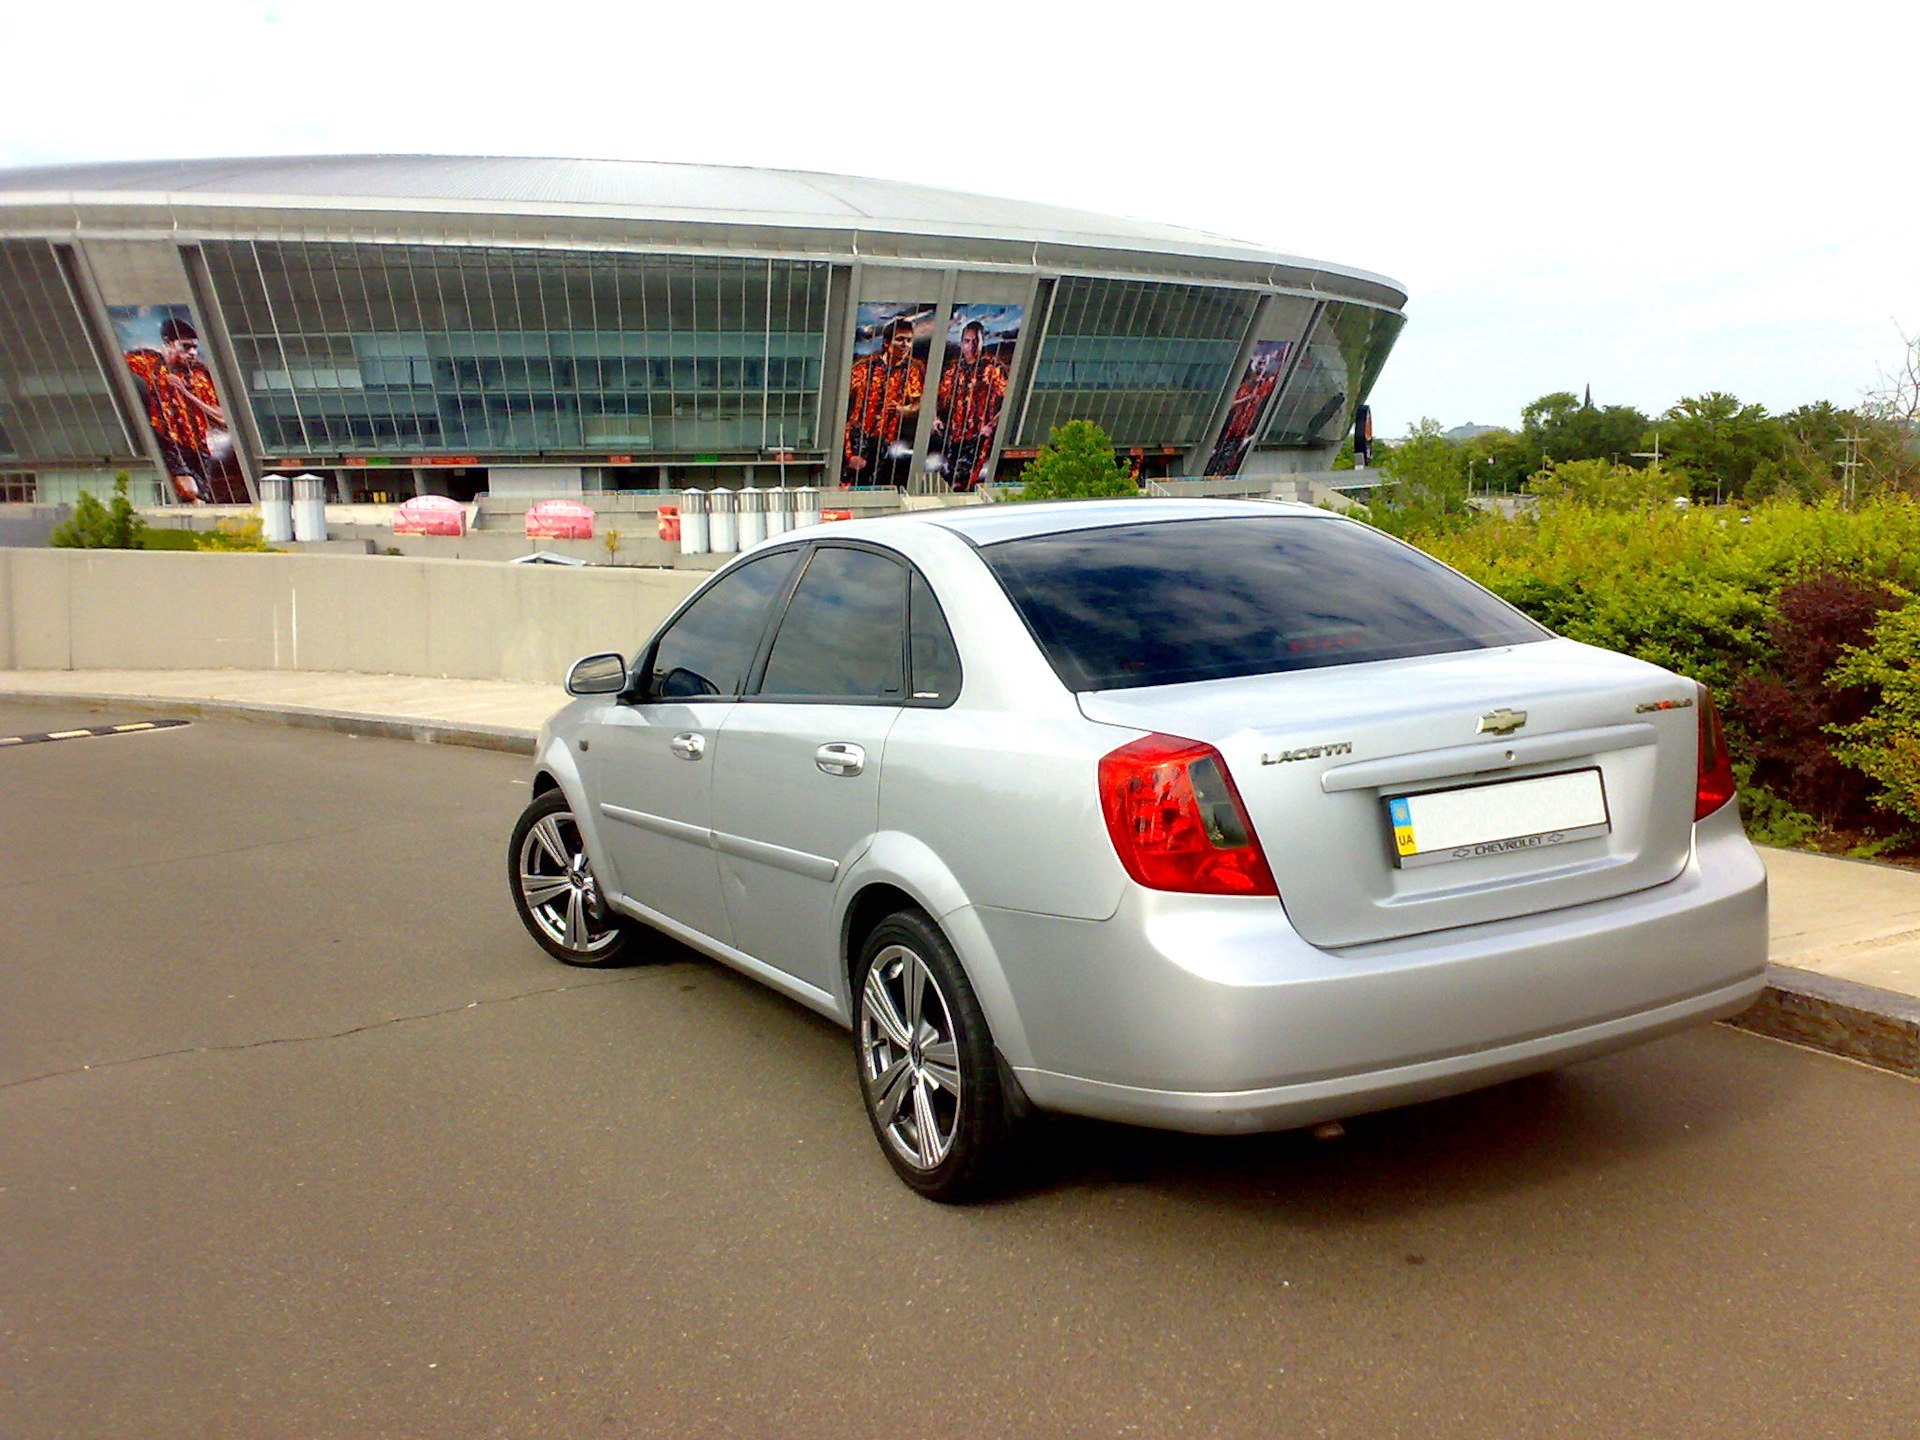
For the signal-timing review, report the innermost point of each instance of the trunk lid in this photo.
(1321, 756)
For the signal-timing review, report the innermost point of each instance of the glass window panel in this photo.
(1337, 369)
(936, 661)
(1144, 360)
(55, 401)
(501, 350)
(707, 650)
(844, 633)
(1204, 599)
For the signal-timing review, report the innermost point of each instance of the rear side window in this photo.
(844, 634)
(936, 663)
(1160, 604)
(708, 649)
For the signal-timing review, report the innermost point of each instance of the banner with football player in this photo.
(1257, 384)
(162, 349)
(981, 340)
(890, 350)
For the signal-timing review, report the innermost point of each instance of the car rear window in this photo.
(1173, 601)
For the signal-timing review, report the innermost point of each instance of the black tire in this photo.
(555, 893)
(933, 1092)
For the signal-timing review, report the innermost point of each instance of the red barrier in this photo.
(430, 515)
(559, 520)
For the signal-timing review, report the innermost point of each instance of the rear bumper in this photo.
(1198, 1014)
(1283, 1107)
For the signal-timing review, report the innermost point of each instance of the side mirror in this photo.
(598, 675)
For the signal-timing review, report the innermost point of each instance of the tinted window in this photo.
(936, 664)
(1202, 599)
(844, 634)
(708, 650)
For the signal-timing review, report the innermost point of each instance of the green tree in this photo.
(1562, 426)
(93, 526)
(1076, 463)
(1498, 462)
(1718, 443)
(1426, 489)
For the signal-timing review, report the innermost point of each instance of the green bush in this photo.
(1606, 485)
(237, 534)
(157, 538)
(94, 526)
(1885, 744)
(1770, 820)
(1700, 591)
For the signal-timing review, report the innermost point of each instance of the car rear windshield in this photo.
(1173, 601)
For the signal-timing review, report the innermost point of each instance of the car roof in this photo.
(990, 524)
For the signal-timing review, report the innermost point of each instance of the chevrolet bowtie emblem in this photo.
(1501, 722)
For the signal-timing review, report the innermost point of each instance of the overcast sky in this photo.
(1654, 199)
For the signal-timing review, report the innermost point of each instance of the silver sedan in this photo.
(1216, 816)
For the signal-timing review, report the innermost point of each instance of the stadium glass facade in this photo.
(56, 402)
(399, 349)
(206, 325)
(1146, 362)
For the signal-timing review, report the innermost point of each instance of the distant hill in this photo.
(1468, 431)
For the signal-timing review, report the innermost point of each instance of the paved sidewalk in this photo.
(497, 714)
(1845, 942)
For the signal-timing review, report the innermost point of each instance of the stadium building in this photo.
(410, 325)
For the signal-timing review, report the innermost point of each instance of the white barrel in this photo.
(806, 507)
(723, 528)
(779, 511)
(753, 516)
(309, 508)
(693, 522)
(276, 509)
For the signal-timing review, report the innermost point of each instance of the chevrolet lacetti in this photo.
(1215, 816)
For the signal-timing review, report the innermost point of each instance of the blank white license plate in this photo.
(1500, 818)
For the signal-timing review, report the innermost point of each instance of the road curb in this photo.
(1862, 1022)
(345, 722)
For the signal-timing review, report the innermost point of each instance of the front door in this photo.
(659, 747)
(656, 767)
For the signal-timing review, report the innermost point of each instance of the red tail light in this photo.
(1716, 765)
(1177, 822)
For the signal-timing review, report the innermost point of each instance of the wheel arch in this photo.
(898, 873)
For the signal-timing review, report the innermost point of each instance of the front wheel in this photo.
(554, 890)
(928, 1072)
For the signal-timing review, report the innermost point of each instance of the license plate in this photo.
(1499, 818)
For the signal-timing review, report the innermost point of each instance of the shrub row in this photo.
(1801, 619)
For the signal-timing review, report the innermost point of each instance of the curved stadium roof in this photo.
(639, 190)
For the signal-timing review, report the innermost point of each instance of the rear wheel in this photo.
(928, 1072)
(554, 890)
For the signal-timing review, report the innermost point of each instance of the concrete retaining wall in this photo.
(473, 620)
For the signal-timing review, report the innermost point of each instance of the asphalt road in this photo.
(300, 1136)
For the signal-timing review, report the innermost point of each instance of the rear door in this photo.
(797, 795)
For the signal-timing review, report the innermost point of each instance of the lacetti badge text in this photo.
(1309, 752)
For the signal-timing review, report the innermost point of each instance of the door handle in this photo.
(840, 759)
(689, 745)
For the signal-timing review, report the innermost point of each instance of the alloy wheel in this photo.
(557, 885)
(910, 1057)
